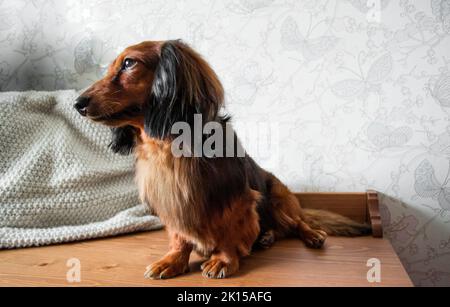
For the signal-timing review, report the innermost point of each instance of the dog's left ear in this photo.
(184, 84)
(123, 140)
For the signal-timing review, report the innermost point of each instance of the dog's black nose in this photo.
(82, 104)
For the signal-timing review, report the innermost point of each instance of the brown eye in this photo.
(128, 63)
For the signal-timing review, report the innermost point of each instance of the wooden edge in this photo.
(374, 213)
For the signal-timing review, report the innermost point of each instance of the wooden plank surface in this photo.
(121, 261)
(352, 205)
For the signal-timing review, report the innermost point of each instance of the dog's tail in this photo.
(335, 224)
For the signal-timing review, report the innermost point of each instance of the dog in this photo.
(220, 207)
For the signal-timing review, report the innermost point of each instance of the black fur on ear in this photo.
(184, 84)
(123, 140)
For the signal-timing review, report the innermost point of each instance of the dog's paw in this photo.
(267, 239)
(163, 269)
(315, 238)
(216, 268)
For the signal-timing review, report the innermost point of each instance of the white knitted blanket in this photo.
(59, 182)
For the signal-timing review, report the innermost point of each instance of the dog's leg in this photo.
(221, 265)
(234, 237)
(174, 263)
(266, 240)
(312, 237)
(289, 217)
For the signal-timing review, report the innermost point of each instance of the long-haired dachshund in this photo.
(221, 207)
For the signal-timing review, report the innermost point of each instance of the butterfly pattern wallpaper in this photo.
(359, 91)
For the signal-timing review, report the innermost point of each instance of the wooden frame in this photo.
(359, 206)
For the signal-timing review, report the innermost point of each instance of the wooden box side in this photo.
(359, 206)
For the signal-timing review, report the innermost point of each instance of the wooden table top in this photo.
(121, 261)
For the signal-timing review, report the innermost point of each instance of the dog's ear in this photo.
(123, 140)
(183, 85)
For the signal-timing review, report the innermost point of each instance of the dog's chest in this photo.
(165, 186)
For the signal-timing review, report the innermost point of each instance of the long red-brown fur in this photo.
(219, 207)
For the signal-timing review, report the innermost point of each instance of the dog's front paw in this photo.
(216, 268)
(165, 268)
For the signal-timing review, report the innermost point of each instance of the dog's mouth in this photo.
(98, 118)
(111, 118)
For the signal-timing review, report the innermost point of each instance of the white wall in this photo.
(359, 104)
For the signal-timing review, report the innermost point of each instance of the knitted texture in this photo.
(59, 182)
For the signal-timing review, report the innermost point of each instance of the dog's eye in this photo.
(128, 63)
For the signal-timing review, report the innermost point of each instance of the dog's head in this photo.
(149, 87)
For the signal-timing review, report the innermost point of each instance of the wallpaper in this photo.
(354, 94)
